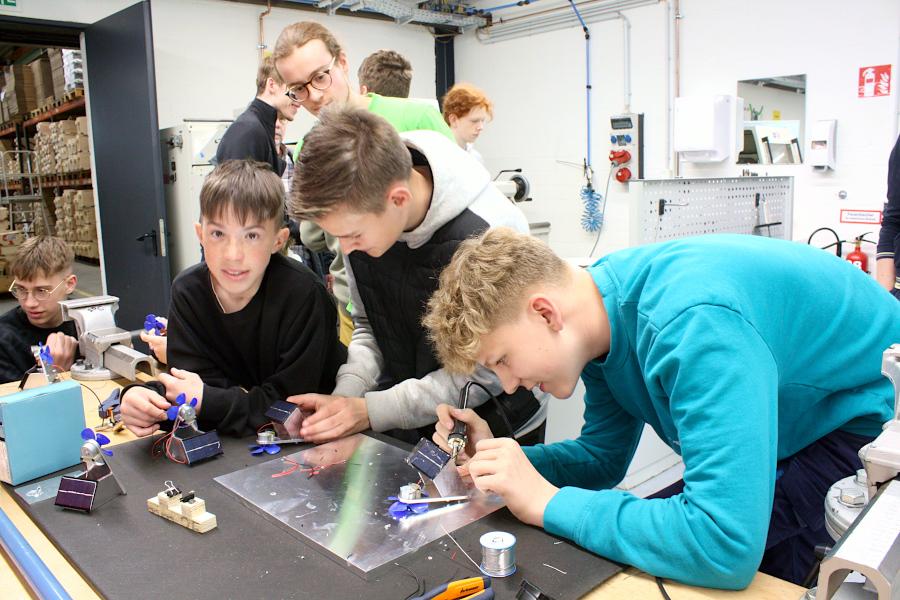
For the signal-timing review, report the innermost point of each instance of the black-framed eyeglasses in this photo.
(320, 81)
(40, 294)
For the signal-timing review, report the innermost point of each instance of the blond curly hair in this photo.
(484, 287)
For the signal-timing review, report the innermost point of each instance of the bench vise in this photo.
(107, 350)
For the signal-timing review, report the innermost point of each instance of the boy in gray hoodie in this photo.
(399, 204)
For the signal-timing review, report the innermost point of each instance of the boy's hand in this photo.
(500, 466)
(477, 429)
(334, 416)
(158, 343)
(179, 381)
(142, 409)
(62, 349)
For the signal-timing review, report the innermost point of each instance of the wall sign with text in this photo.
(867, 217)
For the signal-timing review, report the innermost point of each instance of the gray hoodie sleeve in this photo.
(413, 403)
(364, 359)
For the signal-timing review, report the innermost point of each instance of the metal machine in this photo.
(862, 514)
(107, 349)
(188, 150)
(514, 185)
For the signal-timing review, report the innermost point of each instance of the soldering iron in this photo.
(456, 440)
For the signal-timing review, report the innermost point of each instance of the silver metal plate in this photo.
(343, 508)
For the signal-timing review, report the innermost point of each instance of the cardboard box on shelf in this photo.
(67, 127)
(81, 124)
(43, 77)
(84, 197)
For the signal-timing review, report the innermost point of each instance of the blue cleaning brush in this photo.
(591, 217)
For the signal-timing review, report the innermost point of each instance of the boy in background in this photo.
(317, 73)
(386, 73)
(42, 276)
(247, 326)
(399, 204)
(42, 272)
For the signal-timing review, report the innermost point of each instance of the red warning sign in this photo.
(875, 81)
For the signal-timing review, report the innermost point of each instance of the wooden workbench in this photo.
(628, 585)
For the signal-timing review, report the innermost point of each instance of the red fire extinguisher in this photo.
(858, 258)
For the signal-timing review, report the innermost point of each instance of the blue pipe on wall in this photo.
(587, 50)
(39, 577)
(481, 11)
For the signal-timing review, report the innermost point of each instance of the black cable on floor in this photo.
(662, 589)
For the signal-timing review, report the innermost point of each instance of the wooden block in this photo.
(191, 515)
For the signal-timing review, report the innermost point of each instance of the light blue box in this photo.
(40, 431)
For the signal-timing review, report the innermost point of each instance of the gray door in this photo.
(121, 93)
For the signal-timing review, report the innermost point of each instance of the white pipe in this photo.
(556, 18)
(677, 80)
(626, 40)
(670, 91)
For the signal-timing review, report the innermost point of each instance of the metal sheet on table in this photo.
(343, 509)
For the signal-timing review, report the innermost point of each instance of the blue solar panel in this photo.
(427, 458)
(76, 494)
(280, 411)
(201, 447)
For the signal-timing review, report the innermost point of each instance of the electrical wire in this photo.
(420, 582)
(465, 392)
(662, 589)
(99, 401)
(838, 243)
(452, 539)
(602, 211)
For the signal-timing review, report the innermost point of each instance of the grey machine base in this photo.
(124, 551)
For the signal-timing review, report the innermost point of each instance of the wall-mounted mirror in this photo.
(774, 119)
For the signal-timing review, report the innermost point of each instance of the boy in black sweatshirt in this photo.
(246, 327)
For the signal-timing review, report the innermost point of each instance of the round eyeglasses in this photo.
(40, 294)
(320, 81)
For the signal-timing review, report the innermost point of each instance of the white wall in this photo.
(829, 43)
(206, 50)
(537, 84)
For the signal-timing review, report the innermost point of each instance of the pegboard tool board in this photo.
(668, 209)
(249, 556)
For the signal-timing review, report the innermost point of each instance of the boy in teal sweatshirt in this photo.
(757, 360)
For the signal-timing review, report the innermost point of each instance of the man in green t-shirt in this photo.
(314, 66)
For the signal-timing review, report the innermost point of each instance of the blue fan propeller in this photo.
(265, 442)
(400, 509)
(172, 412)
(257, 449)
(88, 434)
(46, 357)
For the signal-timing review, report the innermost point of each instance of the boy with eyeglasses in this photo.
(42, 272)
(315, 69)
(248, 326)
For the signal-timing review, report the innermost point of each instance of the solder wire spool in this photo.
(498, 554)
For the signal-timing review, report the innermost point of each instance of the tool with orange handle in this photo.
(473, 588)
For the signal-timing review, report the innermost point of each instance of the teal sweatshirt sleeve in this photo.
(599, 458)
(718, 380)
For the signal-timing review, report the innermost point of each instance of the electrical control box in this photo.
(626, 137)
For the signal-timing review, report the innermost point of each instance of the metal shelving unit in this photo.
(22, 193)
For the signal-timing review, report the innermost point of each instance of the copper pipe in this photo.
(261, 46)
